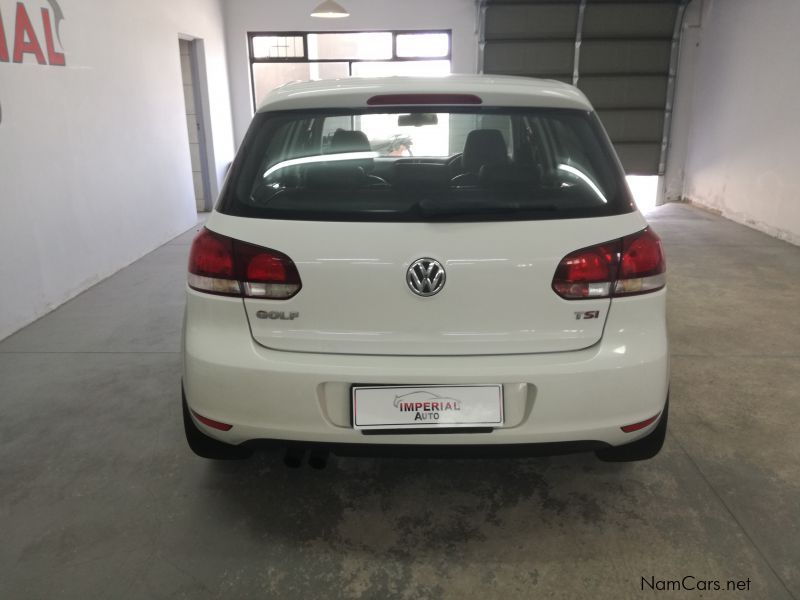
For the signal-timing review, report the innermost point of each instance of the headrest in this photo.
(344, 141)
(484, 147)
(349, 141)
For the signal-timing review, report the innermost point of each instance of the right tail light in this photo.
(625, 267)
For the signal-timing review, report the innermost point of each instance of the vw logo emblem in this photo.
(425, 277)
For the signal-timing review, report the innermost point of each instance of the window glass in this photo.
(387, 137)
(268, 76)
(573, 151)
(278, 46)
(357, 46)
(458, 164)
(410, 68)
(277, 58)
(423, 45)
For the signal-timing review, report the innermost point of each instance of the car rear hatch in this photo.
(497, 196)
(497, 297)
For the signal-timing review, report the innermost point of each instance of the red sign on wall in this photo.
(18, 37)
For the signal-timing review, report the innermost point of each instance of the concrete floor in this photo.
(101, 498)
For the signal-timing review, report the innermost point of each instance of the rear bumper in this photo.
(584, 396)
(399, 450)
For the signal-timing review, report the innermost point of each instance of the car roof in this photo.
(493, 90)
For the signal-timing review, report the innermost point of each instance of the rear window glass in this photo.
(425, 165)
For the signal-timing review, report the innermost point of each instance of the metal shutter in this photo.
(621, 54)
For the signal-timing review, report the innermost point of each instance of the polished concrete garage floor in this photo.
(101, 498)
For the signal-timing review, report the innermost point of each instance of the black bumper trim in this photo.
(433, 450)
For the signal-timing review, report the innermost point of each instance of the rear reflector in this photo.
(423, 99)
(212, 423)
(640, 425)
(632, 265)
(228, 267)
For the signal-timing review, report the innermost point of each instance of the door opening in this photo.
(195, 122)
(645, 190)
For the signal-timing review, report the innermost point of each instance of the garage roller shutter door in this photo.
(622, 55)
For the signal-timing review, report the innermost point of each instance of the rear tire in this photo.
(205, 446)
(642, 449)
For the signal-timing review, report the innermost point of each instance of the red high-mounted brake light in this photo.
(632, 265)
(228, 267)
(423, 99)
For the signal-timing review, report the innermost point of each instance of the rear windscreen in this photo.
(425, 165)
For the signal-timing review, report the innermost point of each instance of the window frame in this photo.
(253, 60)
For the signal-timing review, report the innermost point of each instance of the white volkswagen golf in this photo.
(432, 265)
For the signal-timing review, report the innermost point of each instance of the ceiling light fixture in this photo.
(330, 10)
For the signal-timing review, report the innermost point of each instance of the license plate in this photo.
(383, 407)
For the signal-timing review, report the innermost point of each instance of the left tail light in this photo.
(228, 267)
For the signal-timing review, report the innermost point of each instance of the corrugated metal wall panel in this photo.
(507, 2)
(626, 20)
(625, 92)
(641, 126)
(531, 58)
(624, 57)
(531, 21)
(638, 159)
(532, 39)
(623, 63)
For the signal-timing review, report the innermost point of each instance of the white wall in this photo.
(744, 137)
(242, 16)
(680, 124)
(94, 157)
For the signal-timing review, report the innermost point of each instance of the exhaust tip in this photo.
(293, 458)
(318, 459)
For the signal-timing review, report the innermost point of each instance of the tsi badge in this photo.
(587, 314)
(277, 315)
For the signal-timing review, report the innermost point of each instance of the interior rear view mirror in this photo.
(417, 120)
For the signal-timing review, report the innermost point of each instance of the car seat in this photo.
(483, 147)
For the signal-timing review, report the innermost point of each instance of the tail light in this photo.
(642, 266)
(625, 267)
(222, 265)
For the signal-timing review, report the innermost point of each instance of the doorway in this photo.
(190, 54)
